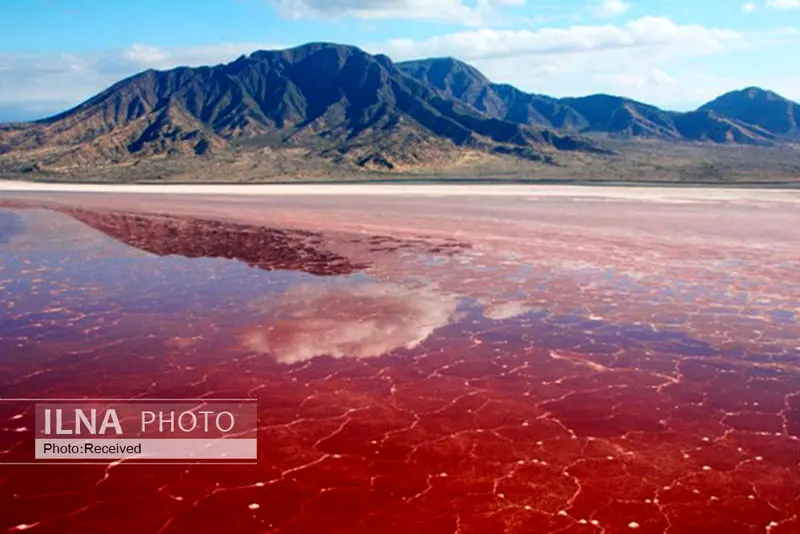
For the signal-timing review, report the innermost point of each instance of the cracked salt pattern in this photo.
(524, 372)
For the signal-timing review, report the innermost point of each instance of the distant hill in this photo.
(607, 114)
(326, 106)
(765, 109)
(623, 116)
(705, 125)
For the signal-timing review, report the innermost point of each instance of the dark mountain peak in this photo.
(298, 53)
(755, 92)
(748, 95)
(442, 68)
(326, 57)
(451, 76)
(623, 116)
(759, 107)
(599, 97)
(752, 93)
(604, 99)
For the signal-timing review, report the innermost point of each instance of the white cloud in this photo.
(145, 56)
(432, 10)
(650, 79)
(783, 4)
(749, 7)
(361, 321)
(379, 9)
(612, 8)
(654, 33)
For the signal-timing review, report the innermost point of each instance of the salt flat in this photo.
(510, 358)
(649, 193)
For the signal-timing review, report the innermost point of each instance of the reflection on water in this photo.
(265, 248)
(301, 300)
(350, 320)
(499, 311)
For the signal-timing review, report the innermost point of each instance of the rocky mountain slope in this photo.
(765, 109)
(336, 101)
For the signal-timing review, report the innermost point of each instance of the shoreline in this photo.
(575, 192)
(406, 180)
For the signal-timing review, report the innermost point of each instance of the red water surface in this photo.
(512, 367)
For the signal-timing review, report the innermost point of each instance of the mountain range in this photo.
(339, 105)
(750, 116)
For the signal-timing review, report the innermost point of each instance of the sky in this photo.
(676, 54)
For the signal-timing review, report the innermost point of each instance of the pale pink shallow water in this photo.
(436, 362)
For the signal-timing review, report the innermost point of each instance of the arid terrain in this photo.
(633, 161)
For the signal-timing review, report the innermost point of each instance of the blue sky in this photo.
(673, 53)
